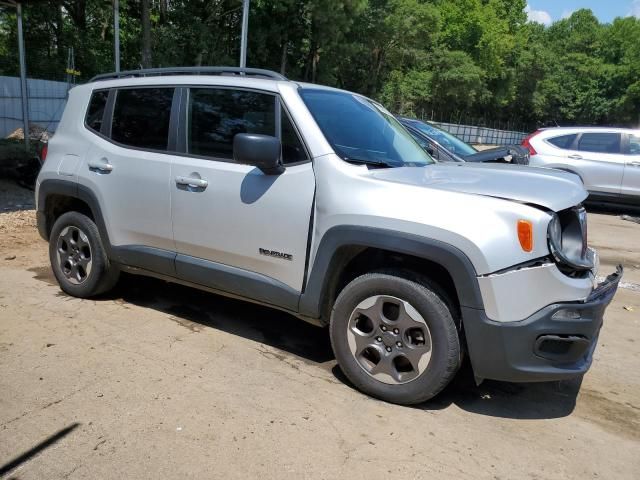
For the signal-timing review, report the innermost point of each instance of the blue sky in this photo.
(547, 11)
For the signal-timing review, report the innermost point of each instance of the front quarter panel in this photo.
(484, 228)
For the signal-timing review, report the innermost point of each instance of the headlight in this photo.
(567, 236)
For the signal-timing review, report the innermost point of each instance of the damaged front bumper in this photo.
(554, 343)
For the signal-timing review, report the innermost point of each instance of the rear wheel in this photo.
(395, 338)
(78, 257)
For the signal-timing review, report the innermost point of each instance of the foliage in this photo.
(470, 58)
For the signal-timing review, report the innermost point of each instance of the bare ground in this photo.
(161, 381)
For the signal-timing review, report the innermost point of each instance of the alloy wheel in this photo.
(389, 339)
(74, 254)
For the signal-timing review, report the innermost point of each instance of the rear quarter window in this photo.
(95, 112)
(563, 141)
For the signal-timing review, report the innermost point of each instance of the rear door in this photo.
(597, 158)
(237, 229)
(129, 170)
(631, 179)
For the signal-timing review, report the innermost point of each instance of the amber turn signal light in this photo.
(525, 235)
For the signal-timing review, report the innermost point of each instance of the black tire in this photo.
(102, 274)
(445, 353)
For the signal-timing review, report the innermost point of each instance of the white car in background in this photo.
(606, 159)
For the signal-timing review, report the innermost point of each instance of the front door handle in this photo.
(100, 166)
(192, 182)
(634, 164)
(575, 156)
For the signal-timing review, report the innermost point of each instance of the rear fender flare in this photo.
(74, 190)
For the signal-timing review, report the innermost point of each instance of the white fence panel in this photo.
(46, 101)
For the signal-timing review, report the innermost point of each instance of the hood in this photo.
(544, 187)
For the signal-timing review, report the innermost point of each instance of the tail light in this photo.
(527, 144)
(43, 152)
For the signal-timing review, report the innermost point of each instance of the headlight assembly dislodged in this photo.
(567, 237)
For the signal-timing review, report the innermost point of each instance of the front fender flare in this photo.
(327, 262)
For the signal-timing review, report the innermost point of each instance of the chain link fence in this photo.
(482, 135)
(479, 130)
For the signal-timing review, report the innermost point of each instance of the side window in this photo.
(141, 117)
(599, 142)
(292, 149)
(215, 116)
(96, 108)
(564, 141)
(634, 144)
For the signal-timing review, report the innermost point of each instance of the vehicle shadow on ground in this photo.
(521, 401)
(195, 310)
(525, 401)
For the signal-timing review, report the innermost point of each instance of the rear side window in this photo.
(215, 116)
(96, 108)
(141, 117)
(599, 142)
(564, 141)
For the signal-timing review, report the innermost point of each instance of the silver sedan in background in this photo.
(606, 159)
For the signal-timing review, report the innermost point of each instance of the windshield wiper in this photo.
(368, 161)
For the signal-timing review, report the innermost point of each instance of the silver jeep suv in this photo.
(316, 201)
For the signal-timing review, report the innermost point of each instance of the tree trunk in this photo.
(314, 66)
(163, 10)
(146, 34)
(378, 62)
(283, 58)
(59, 33)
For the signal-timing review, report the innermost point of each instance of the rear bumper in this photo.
(545, 346)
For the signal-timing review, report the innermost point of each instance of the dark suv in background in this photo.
(445, 147)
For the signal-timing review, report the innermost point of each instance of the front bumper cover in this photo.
(541, 347)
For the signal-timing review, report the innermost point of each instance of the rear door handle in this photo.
(192, 182)
(575, 157)
(634, 164)
(101, 165)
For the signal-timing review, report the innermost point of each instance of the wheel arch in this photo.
(345, 251)
(56, 197)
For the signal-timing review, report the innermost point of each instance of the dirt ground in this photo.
(160, 381)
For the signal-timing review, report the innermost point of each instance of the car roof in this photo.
(223, 80)
(556, 131)
(259, 83)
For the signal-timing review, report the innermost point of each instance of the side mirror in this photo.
(428, 146)
(262, 151)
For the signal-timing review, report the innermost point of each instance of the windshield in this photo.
(448, 141)
(361, 130)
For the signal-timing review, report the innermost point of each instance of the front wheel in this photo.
(395, 338)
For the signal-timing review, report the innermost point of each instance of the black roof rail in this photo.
(150, 72)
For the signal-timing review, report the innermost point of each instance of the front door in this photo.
(237, 229)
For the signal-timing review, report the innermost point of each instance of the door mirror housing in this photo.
(262, 151)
